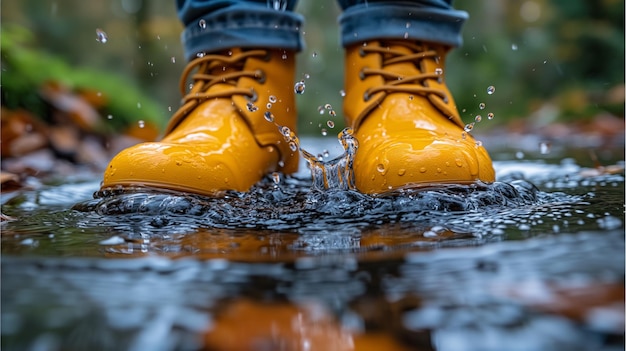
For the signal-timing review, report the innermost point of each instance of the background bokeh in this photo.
(553, 60)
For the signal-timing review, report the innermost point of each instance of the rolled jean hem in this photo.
(258, 28)
(366, 23)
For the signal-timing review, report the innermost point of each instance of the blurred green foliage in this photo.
(568, 55)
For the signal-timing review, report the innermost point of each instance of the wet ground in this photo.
(532, 262)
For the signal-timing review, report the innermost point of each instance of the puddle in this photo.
(534, 261)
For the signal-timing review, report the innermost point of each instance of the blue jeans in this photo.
(213, 25)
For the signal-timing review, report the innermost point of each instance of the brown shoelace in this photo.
(395, 82)
(211, 70)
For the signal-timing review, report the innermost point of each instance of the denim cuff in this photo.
(363, 23)
(243, 28)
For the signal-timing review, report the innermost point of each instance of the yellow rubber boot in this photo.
(409, 131)
(225, 136)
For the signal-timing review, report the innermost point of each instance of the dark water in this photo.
(532, 262)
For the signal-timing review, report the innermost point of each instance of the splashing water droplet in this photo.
(342, 93)
(514, 47)
(200, 54)
(468, 127)
(332, 113)
(101, 36)
(479, 143)
(173, 59)
(438, 71)
(325, 153)
(285, 131)
(324, 132)
(141, 123)
(139, 105)
(276, 178)
(268, 116)
(519, 155)
(293, 146)
(491, 89)
(481, 106)
(299, 87)
(328, 106)
(544, 147)
(314, 54)
(269, 105)
(202, 23)
(110, 117)
(284, 57)
(478, 118)
(330, 124)
(272, 99)
(307, 76)
(490, 115)
(321, 110)
(251, 107)
(380, 168)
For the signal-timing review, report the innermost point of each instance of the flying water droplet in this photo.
(330, 124)
(332, 113)
(299, 87)
(468, 127)
(481, 106)
(328, 106)
(324, 132)
(491, 89)
(321, 110)
(544, 147)
(438, 71)
(141, 123)
(202, 23)
(101, 36)
(314, 54)
(269, 105)
(514, 47)
(490, 115)
(342, 93)
(173, 59)
(478, 118)
(272, 99)
(268, 116)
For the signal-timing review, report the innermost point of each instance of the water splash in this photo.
(101, 36)
(336, 173)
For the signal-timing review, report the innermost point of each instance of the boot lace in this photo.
(394, 82)
(211, 70)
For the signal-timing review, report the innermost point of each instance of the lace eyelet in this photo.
(253, 96)
(362, 73)
(260, 76)
(366, 96)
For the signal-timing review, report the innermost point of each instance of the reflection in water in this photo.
(482, 267)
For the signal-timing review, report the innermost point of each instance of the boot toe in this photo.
(206, 169)
(410, 161)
